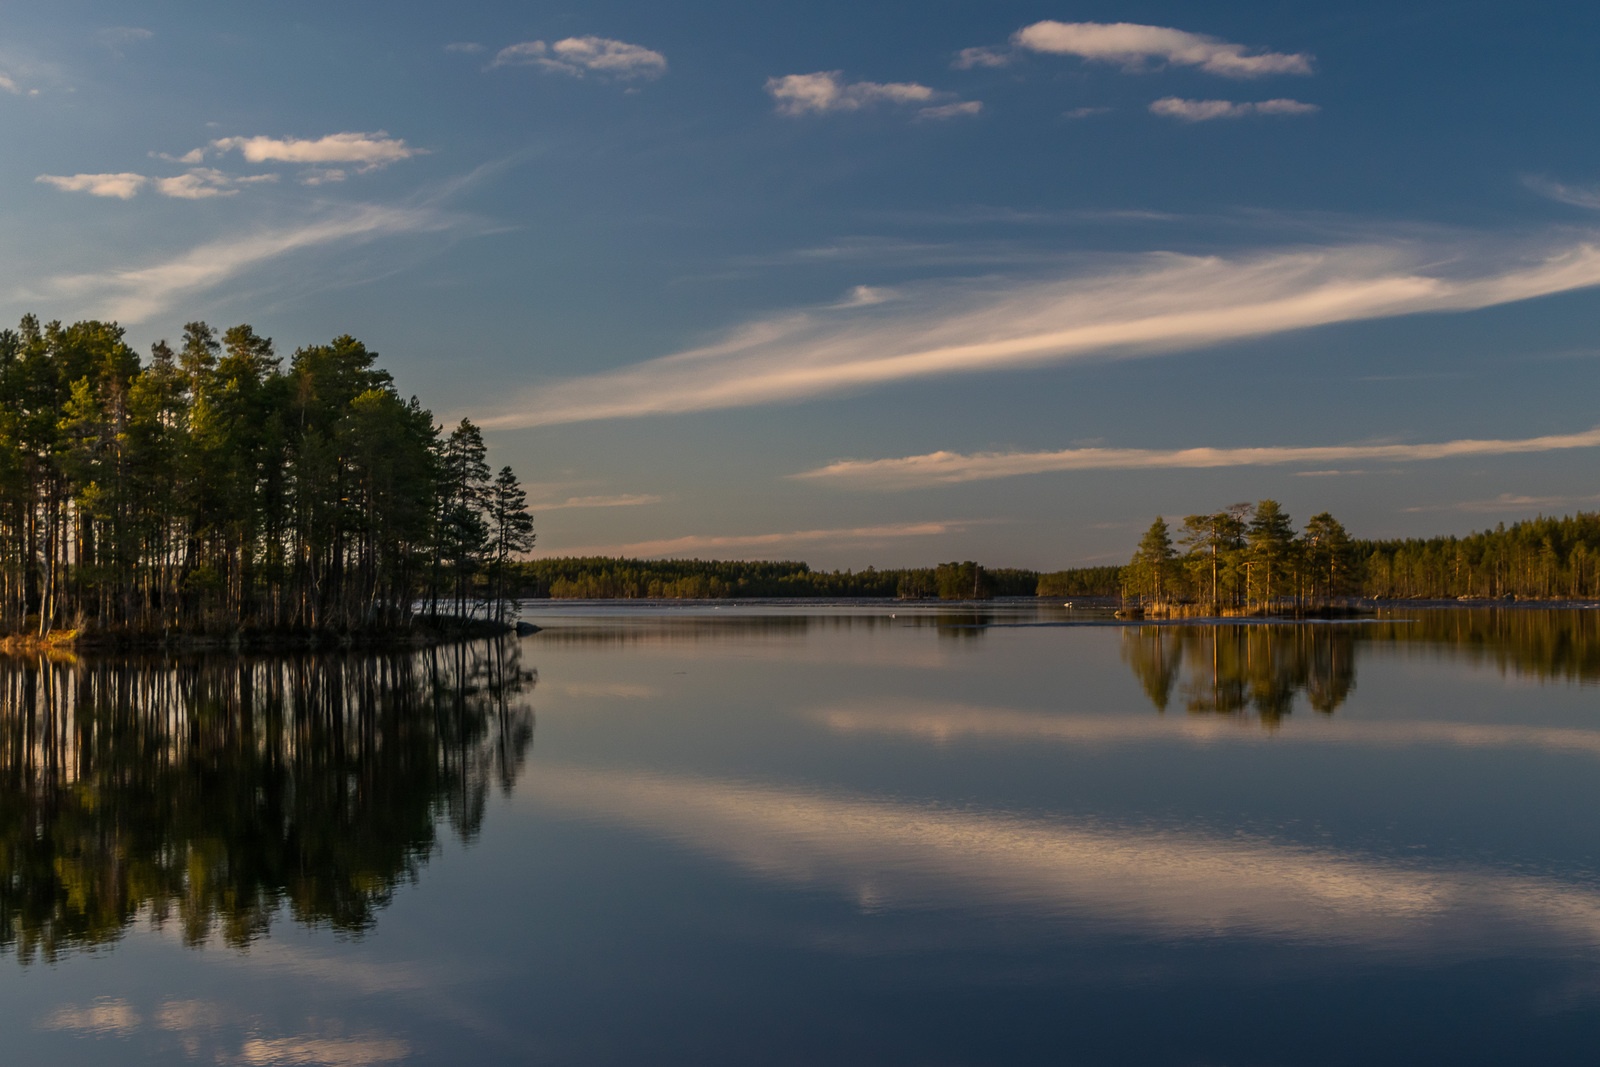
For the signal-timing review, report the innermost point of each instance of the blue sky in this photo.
(866, 282)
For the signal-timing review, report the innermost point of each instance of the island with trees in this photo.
(214, 491)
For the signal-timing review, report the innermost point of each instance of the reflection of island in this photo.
(1239, 667)
(212, 792)
(1232, 669)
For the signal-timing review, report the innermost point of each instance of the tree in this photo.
(1327, 550)
(510, 531)
(1152, 565)
(462, 534)
(1270, 539)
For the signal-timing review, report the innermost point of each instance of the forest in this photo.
(1248, 558)
(215, 489)
(600, 578)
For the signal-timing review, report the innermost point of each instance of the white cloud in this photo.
(464, 47)
(736, 545)
(1132, 45)
(9, 84)
(1174, 107)
(324, 176)
(948, 468)
(134, 294)
(585, 55)
(199, 183)
(122, 186)
(367, 150)
(825, 91)
(968, 58)
(960, 109)
(1084, 112)
(1161, 302)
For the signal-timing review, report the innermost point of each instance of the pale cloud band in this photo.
(198, 183)
(1132, 45)
(1174, 107)
(1161, 302)
(731, 545)
(952, 468)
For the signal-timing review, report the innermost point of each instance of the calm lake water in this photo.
(816, 835)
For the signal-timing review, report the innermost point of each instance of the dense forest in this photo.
(600, 578)
(214, 489)
(1245, 557)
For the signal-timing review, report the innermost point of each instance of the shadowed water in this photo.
(816, 833)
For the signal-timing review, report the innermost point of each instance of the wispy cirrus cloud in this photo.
(1124, 306)
(1586, 196)
(951, 468)
(134, 294)
(826, 91)
(579, 56)
(735, 545)
(1174, 107)
(1510, 502)
(621, 500)
(1134, 47)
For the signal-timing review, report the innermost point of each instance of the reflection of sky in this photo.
(895, 854)
(946, 724)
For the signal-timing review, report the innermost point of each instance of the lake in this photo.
(816, 833)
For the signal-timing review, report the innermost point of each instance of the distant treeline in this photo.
(1251, 557)
(601, 578)
(214, 489)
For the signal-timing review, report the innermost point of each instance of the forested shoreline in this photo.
(1252, 554)
(215, 490)
(1250, 559)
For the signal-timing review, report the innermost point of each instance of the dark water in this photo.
(825, 834)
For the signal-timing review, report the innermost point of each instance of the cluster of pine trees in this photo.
(1243, 557)
(1250, 557)
(212, 488)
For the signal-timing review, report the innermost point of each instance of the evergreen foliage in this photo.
(214, 490)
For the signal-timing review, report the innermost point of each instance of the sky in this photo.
(883, 283)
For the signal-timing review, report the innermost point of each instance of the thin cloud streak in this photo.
(1161, 302)
(627, 500)
(736, 543)
(952, 468)
(134, 294)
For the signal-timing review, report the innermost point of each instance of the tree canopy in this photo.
(214, 489)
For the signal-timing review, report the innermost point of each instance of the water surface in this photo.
(816, 833)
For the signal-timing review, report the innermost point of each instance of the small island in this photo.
(215, 494)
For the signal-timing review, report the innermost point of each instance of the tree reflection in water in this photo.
(1261, 667)
(212, 792)
(1240, 668)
